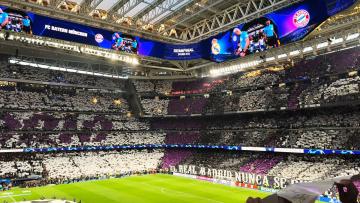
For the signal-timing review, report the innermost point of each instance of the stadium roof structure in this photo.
(192, 20)
(177, 21)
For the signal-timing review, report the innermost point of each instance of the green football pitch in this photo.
(136, 189)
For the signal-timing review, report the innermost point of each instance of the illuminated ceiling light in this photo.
(85, 72)
(307, 49)
(281, 56)
(33, 65)
(98, 74)
(336, 41)
(322, 45)
(270, 59)
(13, 61)
(71, 70)
(108, 76)
(233, 68)
(135, 61)
(43, 66)
(198, 4)
(62, 69)
(294, 53)
(23, 63)
(352, 36)
(36, 65)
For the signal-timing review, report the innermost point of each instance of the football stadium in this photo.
(179, 101)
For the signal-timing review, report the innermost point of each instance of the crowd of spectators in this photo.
(325, 92)
(74, 165)
(155, 107)
(79, 165)
(335, 128)
(254, 79)
(82, 164)
(29, 129)
(68, 121)
(70, 139)
(20, 169)
(156, 86)
(40, 116)
(64, 99)
(345, 89)
(313, 81)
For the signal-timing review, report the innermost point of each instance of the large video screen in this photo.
(280, 27)
(20, 21)
(270, 31)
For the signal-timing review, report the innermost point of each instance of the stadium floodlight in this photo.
(113, 57)
(121, 77)
(352, 36)
(270, 59)
(135, 61)
(281, 56)
(33, 65)
(336, 41)
(62, 69)
(107, 75)
(43, 66)
(233, 68)
(13, 61)
(71, 70)
(23, 63)
(307, 49)
(294, 53)
(98, 74)
(11, 37)
(213, 72)
(85, 72)
(322, 45)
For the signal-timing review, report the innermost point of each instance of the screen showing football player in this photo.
(117, 41)
(243, 42)
(134, 46)
(26, 25)
(270, 35)
(4, 19)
